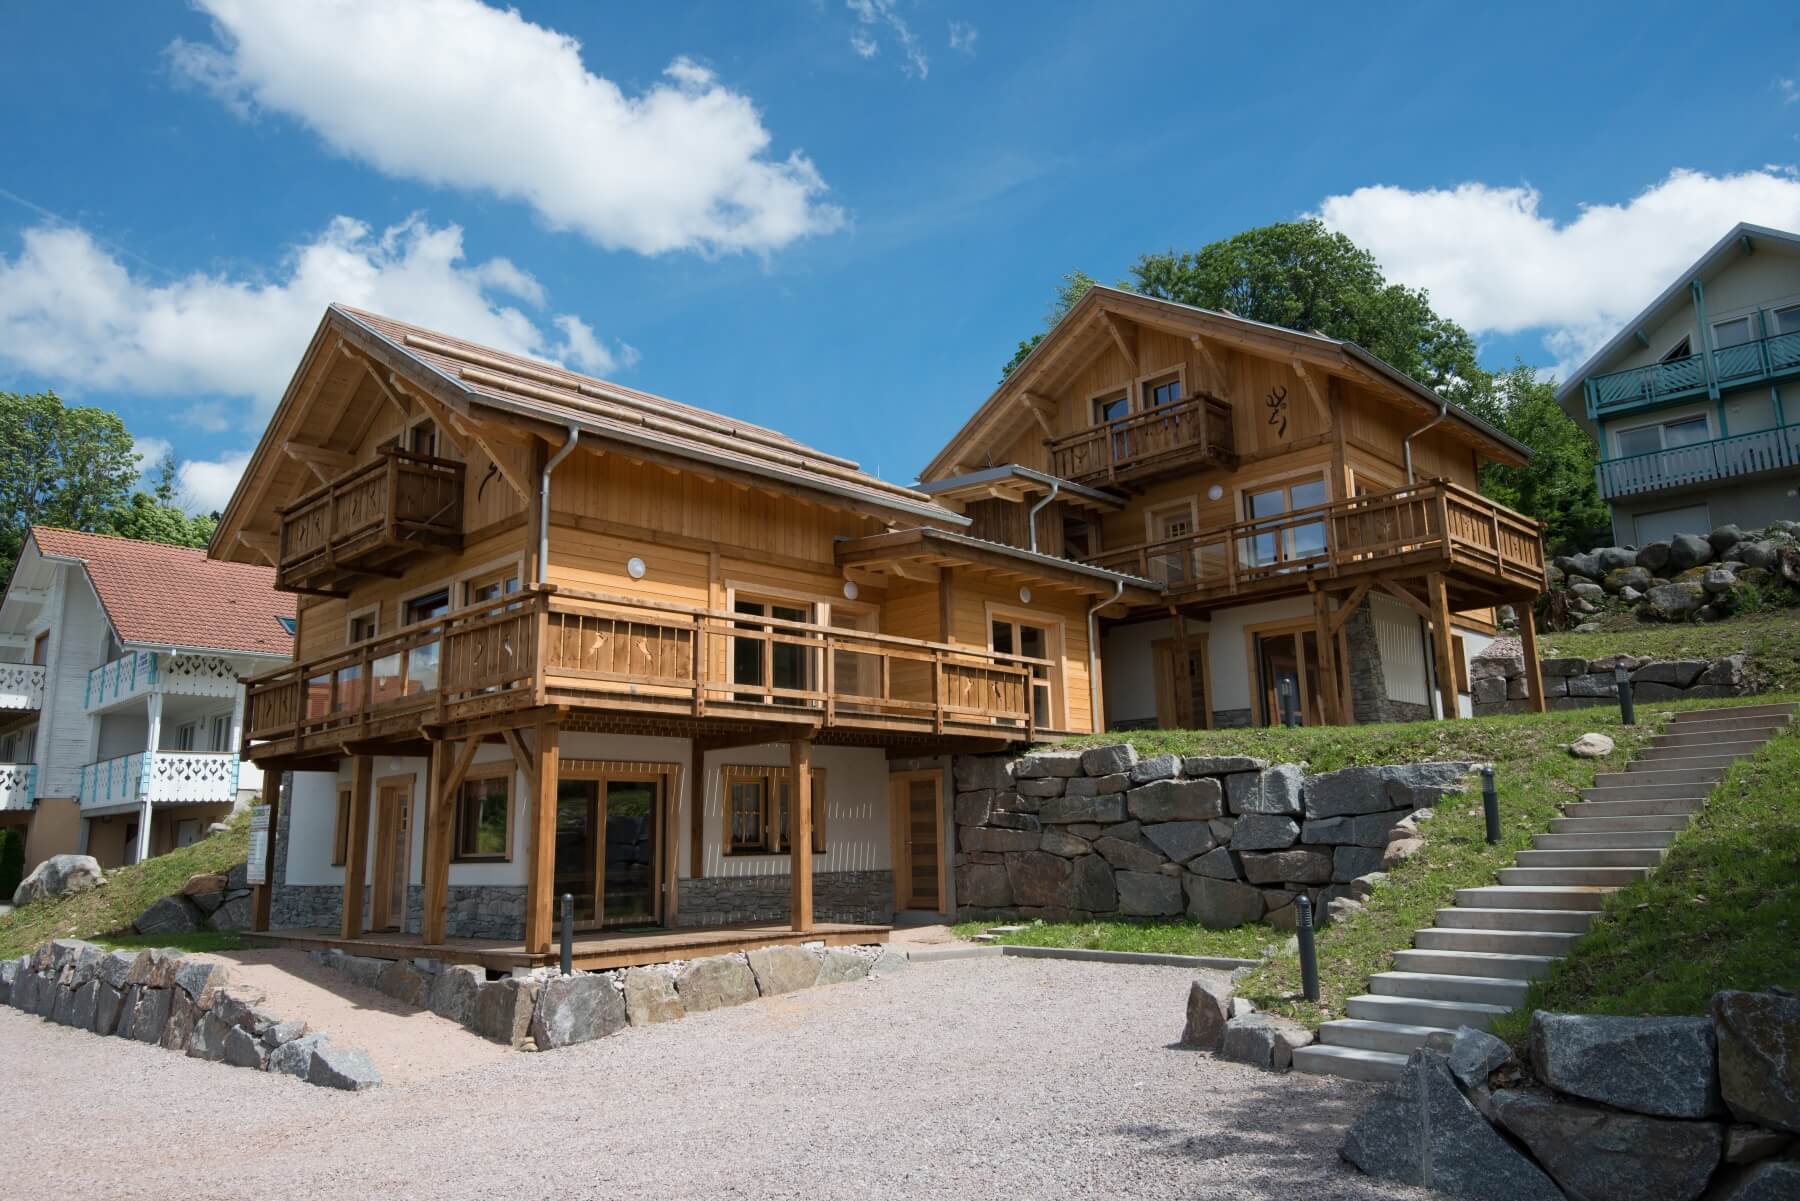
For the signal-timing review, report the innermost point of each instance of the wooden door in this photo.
(392, 859)
(1174, 710)
(919, 862)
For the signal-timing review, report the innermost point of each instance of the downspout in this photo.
(543, 550)
(1031, 520)
(1093, 632)
(1406, 442)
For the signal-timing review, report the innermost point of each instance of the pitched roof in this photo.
(176, 596)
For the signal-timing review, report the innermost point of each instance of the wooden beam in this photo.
(1328, 665)
(1406, 594)
(696, 793)
(1443, 648)
(1312, 390)
(1350, 605)
(800, 834)
(375, 373)
(1215, 373)
(947, 605)
(356, 860)
(326, 465)
(1534, 667)
(449, 767)
(263, 902)
(1127, 346)
(1340, 465)
(540, 867)
(1042, 408)
(266, 545)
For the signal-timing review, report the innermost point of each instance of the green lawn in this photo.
(1178, 937)
(1723, 911)
(105, 914)
(1772, 640)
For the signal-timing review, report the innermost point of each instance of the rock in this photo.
(1091, 885)
(1747, 1144)
(204, 882)
(1363, 887)
(1771, 1180)
(1598, 1154)
(108, 1005)
(973, 808)
(1222, 904)
(1661, 1066)
(1339, 909)
(1156, 767)
(1043, 787)
(1593, 594)
(1673, 602)
(238, 1005)
(1366, 830)
(1180, 841)
(1754, 554)
(342, 1068)
(294, 1058)
(1474, 1055)
(1591, 746)
(1349, 790)
(1148, 894)
(1216, 863)
(1424, 1131)
(1219, 765)
(1128, 856)
(1630, 595)
(1653, 556)
(985, 885)
(1727, 672)
(1350, 862)
(453, 993)
(1717, 581)
(201, 980)
(1724, 538)
(208, 1040)
(1107, 760)
(650, 996)
(1176, 800)
(1635, 578)
(280, 1034)
(1068, 810)
(1565, 666)
(783, 969)
(974, 772)
(1059, 842)
(151, 1014)
(170, 915)
(503, 1010)
(1208, 1008)
(840, 966)
(580, 1008)
(83, 1000)
(1688, 550)
(892, 960)
(1061, 764)
(1614, 558)
(1759, 1056)
(1264, 832)
(1039, 879)
(245, 1050)
(715, 982)
(1275, 791)
(184, 1015)
(1585, 565)
(404, 982)
(998, 842)
(1264, 1040)
(1301, 865)
(59, 876)
(1400, 850)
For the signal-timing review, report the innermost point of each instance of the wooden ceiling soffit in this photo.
(1042, 408)
(324, 463)
(265, 545)
(470, 435)
(1125, 340)
(375, 372)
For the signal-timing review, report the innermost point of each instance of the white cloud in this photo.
(206, 485)
(1789, 89)
(962, 36)
(1496, 264)
(70, 310)
(150, 452)
(458, 94)
(872, 16)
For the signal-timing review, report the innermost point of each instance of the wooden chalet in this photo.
(556, 636)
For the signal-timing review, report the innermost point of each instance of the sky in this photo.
(834, 218)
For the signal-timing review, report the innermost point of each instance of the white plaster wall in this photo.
(1749, 410)
(1475, 644)
(312, 813)
(1233, 681)
(856, 812)
(1767, 278)
(78, 632)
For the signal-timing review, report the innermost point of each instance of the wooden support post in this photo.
(1328, 665)
(356, 859)
(540, 879)
(800, 833)
(1534, 668)
(696, 795)
(1443, 650)
(1185, 718)
(263, 903)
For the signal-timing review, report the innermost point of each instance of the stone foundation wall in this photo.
(1498, 682)
(862, 897)
(476, 910)
(1073, 835)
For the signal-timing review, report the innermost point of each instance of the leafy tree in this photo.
(59, 465)
(1073, 287)
(155, 517)
(1557, 486)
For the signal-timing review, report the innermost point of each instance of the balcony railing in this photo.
(1139, 444)
(18, 786)
(620, 653)
(1676, 379)
(1435, 525)
(1721, 458)
(368, 519)
(161, 777)
(143, 672)
(21, 687)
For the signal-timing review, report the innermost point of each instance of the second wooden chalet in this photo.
(1312, 514)
(558, 636)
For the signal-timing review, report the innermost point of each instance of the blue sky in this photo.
(833, 218)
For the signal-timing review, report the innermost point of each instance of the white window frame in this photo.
(1659, 424)
(1749, 320)
(1142, 387)
(1775, 315)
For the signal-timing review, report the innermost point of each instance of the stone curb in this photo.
(934, 954)
(1142, 958)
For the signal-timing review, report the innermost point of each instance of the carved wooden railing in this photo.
(1182, 432)
(398, 497)
(1433, 518)
(21, 686)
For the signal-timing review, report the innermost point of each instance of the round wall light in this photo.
(1024, 596)
(634, 567)
(850, 589)
(1214, 492)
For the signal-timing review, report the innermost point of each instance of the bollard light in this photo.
(1309, 955)
(568, 934)
(1490, 804)
(1627, 712)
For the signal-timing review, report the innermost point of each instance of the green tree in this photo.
(1073, 287)
(59, 465)
(155, 517)
(1557, 486)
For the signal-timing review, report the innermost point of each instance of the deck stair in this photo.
(1479, 959)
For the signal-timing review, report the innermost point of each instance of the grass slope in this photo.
(1176, 937)
(1723, 911)
(110, 909)
(1771, 638)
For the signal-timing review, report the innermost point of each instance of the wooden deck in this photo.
(594, 950)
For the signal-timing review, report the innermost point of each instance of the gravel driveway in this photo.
(984, 1078)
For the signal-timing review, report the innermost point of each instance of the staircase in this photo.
(1480, 958)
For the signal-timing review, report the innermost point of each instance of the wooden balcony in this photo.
(1488, 553)
(637, 660)
(1189, 433)
(370, 520)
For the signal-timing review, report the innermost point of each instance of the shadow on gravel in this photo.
(1277, 1145)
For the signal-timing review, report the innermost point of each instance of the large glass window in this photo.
(1028, 641)
(1109, 408)
(484, 819)
(1787, 321)
(1735, 332)
(1662, 435)
(421, 661)
(1275, 541)
(1161, 392)
(769, 657)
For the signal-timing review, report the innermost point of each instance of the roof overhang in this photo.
(1014, 482)
(935, 549)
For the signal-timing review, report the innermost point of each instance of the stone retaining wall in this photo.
(1498, 682)
(178, 1002)
(1073, 835)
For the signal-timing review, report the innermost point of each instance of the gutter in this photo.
(1406, 442)
(1099, 722)
(543, 548)
(1031, 518)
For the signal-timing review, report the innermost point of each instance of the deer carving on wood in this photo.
(1277, 404)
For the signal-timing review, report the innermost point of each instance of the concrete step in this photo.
(1668, 823)
(1496, 964)
(1351, 1063)
(1395, 1037)
(1686, 762)
(1725, 742)
(1603, 840)
(1740, 727)
(1636, 807)
(1636, 779)
(1722, 712)
(1423, 1011)
(1591, 857)
(1554, 943)
(1432, 986)
(1475, 916)
(1528, 877)
(1647, 792)
(1537, 897)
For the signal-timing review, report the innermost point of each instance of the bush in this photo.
(12, 863)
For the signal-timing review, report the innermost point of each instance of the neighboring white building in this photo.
(121, 713)
(1696, 402)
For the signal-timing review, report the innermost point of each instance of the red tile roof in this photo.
(176, 596)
